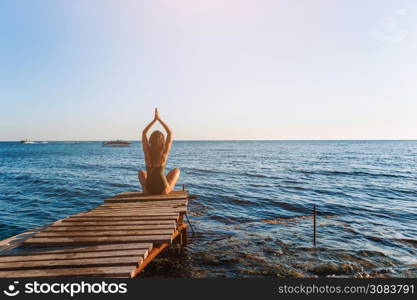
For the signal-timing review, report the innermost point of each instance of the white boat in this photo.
(117, 143)
(27, 142)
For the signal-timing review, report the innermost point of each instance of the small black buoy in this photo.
(314, 225)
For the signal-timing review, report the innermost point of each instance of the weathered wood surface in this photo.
(139, 197)
(83, 249)
(108, 228)
(99, 261)
(113, 223)
(178, 203)
(132, 212)
(111, 240)
(98, 233)
(150, 202)
(126, 215)
(6, 260)
(85, 262)
(96, 240)
(116, 218)
(171, 195)
(101, 272)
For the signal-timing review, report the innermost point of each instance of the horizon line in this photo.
(215, 140)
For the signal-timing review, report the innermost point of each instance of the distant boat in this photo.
(117, 143)
(27, 142)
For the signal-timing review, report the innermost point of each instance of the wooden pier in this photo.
(116, 239)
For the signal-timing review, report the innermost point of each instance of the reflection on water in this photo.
(253, 213)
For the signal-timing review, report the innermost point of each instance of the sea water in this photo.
(253, 214)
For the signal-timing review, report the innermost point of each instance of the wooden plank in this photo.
(109, 228)
(132, 208)
(151, 216)
(147, 203)
(120, 271)
(119, 219)
(128, 214)
(143, 201)
(104, 233)
(85, 262)
(149, 200)
(145, 198)
(85, 249)
(134, 212)
(150, 197)
(60, 242)
(109, 220)
(141, 194)
(77, 255)
(136, 200)
(113, 223)
(139, 209)
(142, 205)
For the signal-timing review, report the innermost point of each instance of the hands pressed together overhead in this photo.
(156, 117)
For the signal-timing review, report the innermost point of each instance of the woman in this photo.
(156, 152)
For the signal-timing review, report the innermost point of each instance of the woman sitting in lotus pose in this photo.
(156, 152)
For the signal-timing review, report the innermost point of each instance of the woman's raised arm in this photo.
(168, 141)
(145, 143)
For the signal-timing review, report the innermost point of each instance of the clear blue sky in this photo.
(318, 69)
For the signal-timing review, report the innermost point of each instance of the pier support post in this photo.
(183, 243)
(183, 237)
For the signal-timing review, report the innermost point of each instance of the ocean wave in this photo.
(351, 173)
(259, 185)
(130, 168)
(199, 171)
(126, 185)
(412, 242)
(239, 201)
(229, 219)
(292, 207)
(254, 175)
(317, 191)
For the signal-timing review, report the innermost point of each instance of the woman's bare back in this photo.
(156, 151)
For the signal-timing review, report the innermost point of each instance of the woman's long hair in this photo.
(156, 145)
